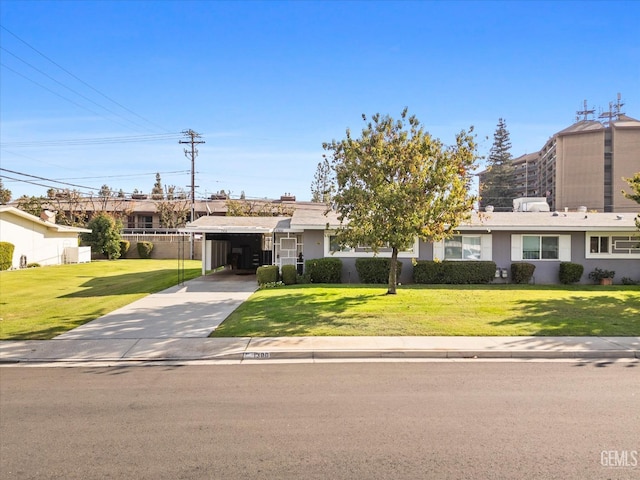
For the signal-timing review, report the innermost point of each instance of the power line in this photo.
(58, 95)
(94, 141)
(71, 89)
(82, 81)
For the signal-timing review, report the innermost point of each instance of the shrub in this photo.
(145, 249)
(599, 273)
(375, 270)
(6, 255)
(454, 272)
(105, 235)
(33, 265)
(426, 271)
(267, 274)
(570, 272)
(124, 247)
(522, 272)
(629, 281)
(289, 274)
(324, 270)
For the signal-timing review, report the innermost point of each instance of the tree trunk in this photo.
(393, 281)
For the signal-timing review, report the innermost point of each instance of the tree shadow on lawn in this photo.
(602, 315)
(126, 283)
(286, 318)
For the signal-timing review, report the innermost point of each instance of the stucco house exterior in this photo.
(605, 240)
(40, 240)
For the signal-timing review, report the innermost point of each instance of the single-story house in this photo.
(606, 240)
(40, 240)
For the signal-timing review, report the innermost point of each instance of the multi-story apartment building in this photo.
(525, 172)
(585, 165)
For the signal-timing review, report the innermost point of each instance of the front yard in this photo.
(40, 303)
(302, 310)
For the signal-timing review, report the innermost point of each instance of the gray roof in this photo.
(316, 218)
(551, 221)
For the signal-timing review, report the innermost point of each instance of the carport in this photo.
(245, 243)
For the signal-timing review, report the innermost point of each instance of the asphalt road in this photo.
(316, 421)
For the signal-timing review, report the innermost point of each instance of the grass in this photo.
(324, 310)
(40, 303)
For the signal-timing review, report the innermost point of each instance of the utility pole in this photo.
(193, 140)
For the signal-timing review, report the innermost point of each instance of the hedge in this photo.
(144, 249)
(570, 272)
(267, 274)
(289, 274)
(522, 272)
(375, 270)
(324, 270)
(426, 271)
(6, 255)
(124, 247)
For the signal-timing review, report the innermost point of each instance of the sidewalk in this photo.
(317, 348)
(174, 325)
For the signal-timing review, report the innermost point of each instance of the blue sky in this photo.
(266, 83)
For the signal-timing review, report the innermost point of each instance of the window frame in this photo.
(612, 239)
(563, 247)
(365, 252)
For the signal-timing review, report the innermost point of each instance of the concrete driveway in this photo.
(191, 310)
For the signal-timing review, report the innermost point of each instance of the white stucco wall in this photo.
(40, 244)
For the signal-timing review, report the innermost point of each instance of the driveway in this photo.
(191, 310)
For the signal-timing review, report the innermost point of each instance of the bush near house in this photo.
(6, 255)
(522, 272)
(124, 247)
(570, 272)
(375, 270)
(145, 249)
(472, 272)
(267, 274)
(289, 274)
(324, 270)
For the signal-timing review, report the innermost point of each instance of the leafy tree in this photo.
(634, 183)
(257, 208)
(323, 186)
(105, 235)
(157, 192)
(173, 213)
(497, 187)
(5, 194)
(32, 205)
(396, 183)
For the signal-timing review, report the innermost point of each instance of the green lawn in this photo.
(40, 303)
(301, 310)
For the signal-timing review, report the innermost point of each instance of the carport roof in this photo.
(218, 224)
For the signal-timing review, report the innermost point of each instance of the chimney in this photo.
(48, 216)
(287, 197)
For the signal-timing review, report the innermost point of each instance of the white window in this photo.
(332, 248)
(612, 245)
(541, 247)
(464, 247)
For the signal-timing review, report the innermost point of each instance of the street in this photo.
(440, 420)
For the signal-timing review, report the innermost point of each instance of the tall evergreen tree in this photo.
(497, 186)
(323, 186)
(157, 192)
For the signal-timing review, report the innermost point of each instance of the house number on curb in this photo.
(256, 355)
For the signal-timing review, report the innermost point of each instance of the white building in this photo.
(40, 240)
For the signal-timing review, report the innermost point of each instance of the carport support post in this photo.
(205, 260)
